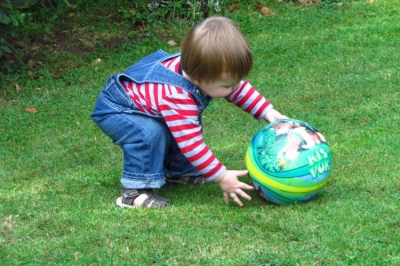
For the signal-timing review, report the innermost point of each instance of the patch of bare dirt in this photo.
(71, 38)
(79, 44)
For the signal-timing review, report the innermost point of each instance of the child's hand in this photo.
(274, 115)
(232, 187)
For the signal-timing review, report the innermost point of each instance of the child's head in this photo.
(213, 47)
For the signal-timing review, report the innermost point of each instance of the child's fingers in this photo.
(242, 194)
(245, 186)
(226, 198)
(236, 199)
(235, 196)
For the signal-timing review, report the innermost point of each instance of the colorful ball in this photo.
(288, 161)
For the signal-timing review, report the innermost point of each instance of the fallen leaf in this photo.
(171, 42)
(71, 14)
(372, 1)
(132, 11)
(265, 11)
(17, 88)
(98, 60)
(258, 6)
(233, 7)
(30, 62)
(31, 110)
(139, 26)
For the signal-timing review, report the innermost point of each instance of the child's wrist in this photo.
(220, 178)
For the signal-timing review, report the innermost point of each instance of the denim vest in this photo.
(150, 69)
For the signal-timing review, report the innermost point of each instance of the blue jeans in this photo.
(150, 153)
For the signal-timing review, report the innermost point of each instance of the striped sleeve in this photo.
(180, 112)
(250, 100)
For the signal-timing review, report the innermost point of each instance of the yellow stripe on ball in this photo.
(260, 176)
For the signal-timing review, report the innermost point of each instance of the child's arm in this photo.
(232, 187)
(251, 101)
(274, 115)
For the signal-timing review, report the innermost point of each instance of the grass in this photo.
(335, 67)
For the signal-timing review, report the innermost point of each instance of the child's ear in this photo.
(195, 81)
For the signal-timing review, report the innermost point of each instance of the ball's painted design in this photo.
(288, 161)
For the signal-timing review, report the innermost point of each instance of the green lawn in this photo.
(334, 66)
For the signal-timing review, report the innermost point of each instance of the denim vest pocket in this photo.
(115, 96)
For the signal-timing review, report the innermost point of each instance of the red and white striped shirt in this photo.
(181, 114)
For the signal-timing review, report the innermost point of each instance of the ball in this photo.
(288, 161)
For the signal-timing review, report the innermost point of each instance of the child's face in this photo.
(220, 88)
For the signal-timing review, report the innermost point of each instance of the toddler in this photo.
(153, 111)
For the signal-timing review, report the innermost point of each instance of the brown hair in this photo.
(215, 46)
